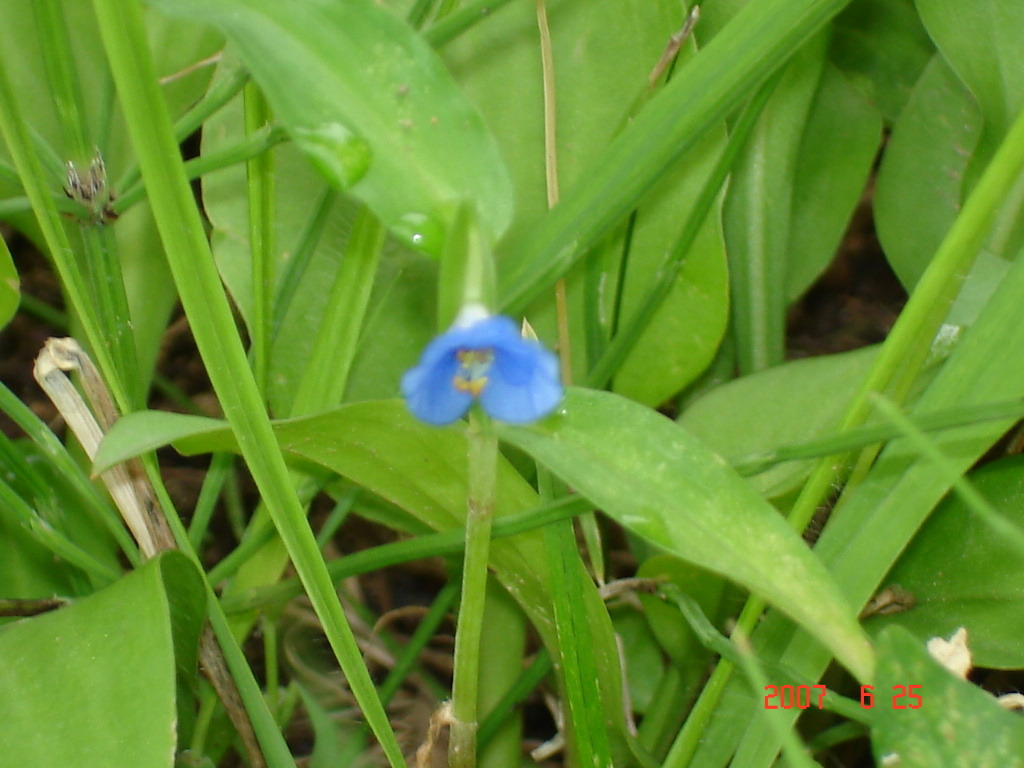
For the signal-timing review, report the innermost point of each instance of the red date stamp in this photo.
(806, 696)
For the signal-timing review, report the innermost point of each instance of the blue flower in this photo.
(483, 356)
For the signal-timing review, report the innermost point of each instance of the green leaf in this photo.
(660, 482)
(685, 332)
(792, 195)
(875, 521)
(960, 111)
(956, 724)
(984, 44)
(961, 573)
(144, 431)
(758, 209)
(401, 322)
(371, 105)
(10, 285)
(93, 684)
(921, 179)
(642, 657)
(790, 403)
(882, 47)
(838, 147)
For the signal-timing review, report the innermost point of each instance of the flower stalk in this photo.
(482, 473)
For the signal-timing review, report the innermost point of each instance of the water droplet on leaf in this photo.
(336, 152)
(423, 232)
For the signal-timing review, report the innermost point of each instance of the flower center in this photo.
(473, 367)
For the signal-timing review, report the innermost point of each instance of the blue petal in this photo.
(490, 333)
(428, 389)
(523, 385)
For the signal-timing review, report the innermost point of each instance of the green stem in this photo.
(100, 250)
(220, 466)
(260, 189)
(443, 544)
(252, 146)
(455, 23)
(977, 503)
(101, 253)
(337, 517)
(206, 305)
(870, 434)
(482, 478)
(219, 94)
(326, 376)
(61, 75)
(302, 253)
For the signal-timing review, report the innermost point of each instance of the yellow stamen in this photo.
(473, 366)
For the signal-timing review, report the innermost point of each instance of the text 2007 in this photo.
(789, 696)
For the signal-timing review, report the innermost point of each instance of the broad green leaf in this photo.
(882, 47)
(790, 403)
(371, 105)
(921, 179)
(956, 723)
(960, 573)
(984, 44)
(685, 333)
(959, 113)
(758, 209)
(137, 433)
(10, 285)
(94, 684)
(837, 149)
(368, 443)
(400, 321)
(659, 481)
